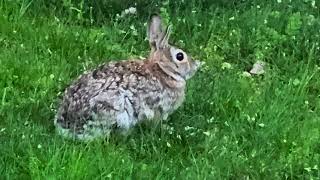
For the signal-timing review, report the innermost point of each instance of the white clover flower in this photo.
(246, 74)
(296, 82)
(211, 120)
(129, 11)
(179, 137)
(134, 30)
(2, 129)
(132, 27)
(168, 144)
(187, 128)
(311, 19)
(313, 3)
(132, 10)
(226, 65)
(207, 133)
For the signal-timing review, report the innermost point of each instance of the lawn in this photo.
(233, 125)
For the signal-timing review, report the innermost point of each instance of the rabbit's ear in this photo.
(155, 33)
(165, 39)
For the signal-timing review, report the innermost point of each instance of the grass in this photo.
(230, 126)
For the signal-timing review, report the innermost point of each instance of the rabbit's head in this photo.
(172, 60)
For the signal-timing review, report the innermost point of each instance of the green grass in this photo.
(230, 126)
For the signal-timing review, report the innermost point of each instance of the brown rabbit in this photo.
(119, 94)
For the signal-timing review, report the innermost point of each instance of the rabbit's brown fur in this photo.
(120, 94)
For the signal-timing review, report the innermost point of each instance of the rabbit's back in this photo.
(115, 95)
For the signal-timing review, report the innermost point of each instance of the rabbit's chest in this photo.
(159, 106)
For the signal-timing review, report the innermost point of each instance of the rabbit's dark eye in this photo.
(179, 56)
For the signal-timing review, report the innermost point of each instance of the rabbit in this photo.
(120, 94)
